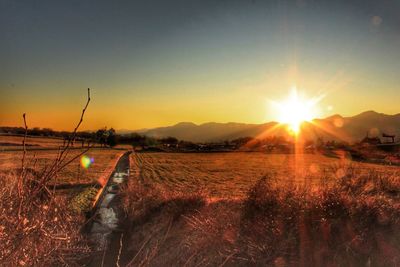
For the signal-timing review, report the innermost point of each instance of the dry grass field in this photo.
(42, 227)
(8, 142)
(10, 161)
(231, 175)
(13, 142)
(254, 209)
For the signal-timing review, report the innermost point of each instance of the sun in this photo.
(295, 110)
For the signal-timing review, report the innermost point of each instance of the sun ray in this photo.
(261, 136)
(296, 109)
(330, 130)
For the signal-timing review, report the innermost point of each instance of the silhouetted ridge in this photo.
(335, 127)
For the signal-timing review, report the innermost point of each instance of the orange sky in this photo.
(158, 64)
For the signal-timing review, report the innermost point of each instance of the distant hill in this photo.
(335, 127)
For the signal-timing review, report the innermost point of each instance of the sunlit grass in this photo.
(349, 217)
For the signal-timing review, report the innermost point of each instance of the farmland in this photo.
(14, 142)
(231, 175)
(47, 209)
(104, 159)
(42, 151)
(246, 209)
(235, 209)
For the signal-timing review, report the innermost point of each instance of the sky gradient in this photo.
(157, 63)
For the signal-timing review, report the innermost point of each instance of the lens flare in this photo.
(86, 161)
(296, 110)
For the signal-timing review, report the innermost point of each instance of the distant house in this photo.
(389, 143)
(389, 137)
(370, 140)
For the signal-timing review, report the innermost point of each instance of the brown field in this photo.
(231, 175)
(219, 209)
(254, 209)
(104, 159)
(8, 142)
(39, 226)
(13, 142)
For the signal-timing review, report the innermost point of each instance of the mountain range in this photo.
(336, 127)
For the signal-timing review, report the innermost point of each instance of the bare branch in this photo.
(58, 162)
(79, 123)
(23, 156)
(24, 141)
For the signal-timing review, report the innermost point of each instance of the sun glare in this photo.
(295, 110)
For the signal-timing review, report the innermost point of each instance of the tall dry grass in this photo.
(350, 220)
(37, 229)
(36, 226)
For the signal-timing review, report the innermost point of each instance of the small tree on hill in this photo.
(111, 138)
(101, 136)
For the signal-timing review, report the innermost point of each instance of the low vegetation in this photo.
(35, 136)
(73, 174)
(41, 219)
(353, 221)
(350, 217)
(231, 175)
(42, 196)
(36, 226)
(235, 209)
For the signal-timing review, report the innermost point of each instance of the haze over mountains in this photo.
(336, 127)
